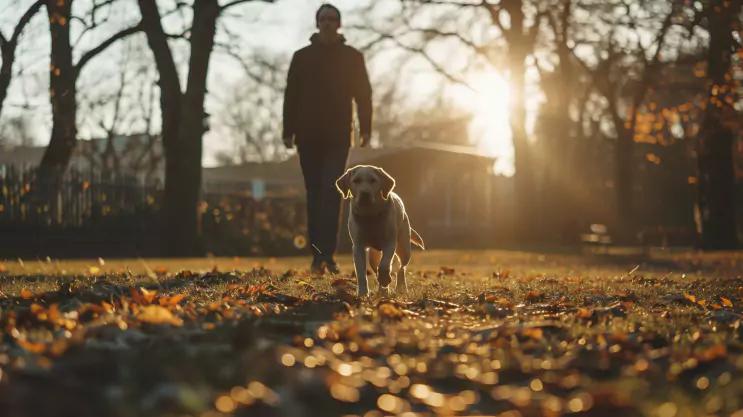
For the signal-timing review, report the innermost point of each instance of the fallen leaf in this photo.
(147, 295)
(390, 310)
(340, 283)
(33, 347)
(584, 313)
(447, 270)
(158, 315)
(533, 296)
(26, 294)
(726, 302)
(176, 299)
(533, 332)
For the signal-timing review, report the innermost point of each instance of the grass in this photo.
(480, 333)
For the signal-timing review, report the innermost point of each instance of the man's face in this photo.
(328, 21)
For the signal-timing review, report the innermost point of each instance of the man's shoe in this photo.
(332, 267)
(317, 267)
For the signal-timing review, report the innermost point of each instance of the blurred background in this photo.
(519, 124)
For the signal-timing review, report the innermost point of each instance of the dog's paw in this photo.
(384, 292)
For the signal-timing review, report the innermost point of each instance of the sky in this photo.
(279, 28)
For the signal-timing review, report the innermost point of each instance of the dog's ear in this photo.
(388, 183)
(343, 184)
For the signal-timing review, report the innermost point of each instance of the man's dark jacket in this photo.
(323, 80)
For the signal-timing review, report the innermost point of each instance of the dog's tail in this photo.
(417, 239)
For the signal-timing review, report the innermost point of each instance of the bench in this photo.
(598, 238)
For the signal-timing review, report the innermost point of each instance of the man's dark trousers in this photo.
(321, 167)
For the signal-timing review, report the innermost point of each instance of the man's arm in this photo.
(363, 97)
(290, 100)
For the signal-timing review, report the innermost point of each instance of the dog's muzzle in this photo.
(365, 197)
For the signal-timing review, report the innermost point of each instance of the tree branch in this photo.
(30, 12)
(182, 35)
(105, 44)
(493, 10)
(236, 2)
(441, 70)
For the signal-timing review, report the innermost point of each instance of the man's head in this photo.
(328, 20)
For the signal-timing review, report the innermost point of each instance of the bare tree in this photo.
(251, 113)
(625, 69)
(183, 119)
(127, 142)
(8, 48)
(63, 76)
(716, 178)
(501, 35)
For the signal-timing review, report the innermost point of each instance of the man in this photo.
(323, 80)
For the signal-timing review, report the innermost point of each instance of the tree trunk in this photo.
(623, 181)
(625, 226)
(183, 181)
(62, 75)
(182, 125)
(716, 182)
(170, 105)
(527, 214)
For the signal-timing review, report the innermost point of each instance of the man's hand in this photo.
(289, 142)
(365, 137)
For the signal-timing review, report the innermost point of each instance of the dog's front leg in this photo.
(384, 275)
(359, 260)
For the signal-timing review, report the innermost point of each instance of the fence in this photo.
(94, 214)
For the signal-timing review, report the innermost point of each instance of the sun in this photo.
(488, 100)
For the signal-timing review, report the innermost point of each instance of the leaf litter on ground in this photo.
(276, 342)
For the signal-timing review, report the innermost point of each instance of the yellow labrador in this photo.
(378, 222)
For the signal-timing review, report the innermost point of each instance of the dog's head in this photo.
(367, 184)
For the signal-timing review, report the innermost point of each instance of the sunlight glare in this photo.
(489, 101)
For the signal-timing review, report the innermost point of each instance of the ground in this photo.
(481, 333)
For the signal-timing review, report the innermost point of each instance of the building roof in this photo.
(289, 172)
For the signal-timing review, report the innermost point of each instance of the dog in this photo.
(377, 221)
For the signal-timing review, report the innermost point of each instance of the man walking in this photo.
(323, 80)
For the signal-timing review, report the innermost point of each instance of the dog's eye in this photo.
(356, 181)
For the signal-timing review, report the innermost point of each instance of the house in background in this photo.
(141, 155)
(448, 190)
